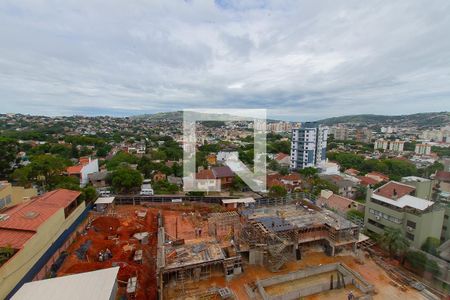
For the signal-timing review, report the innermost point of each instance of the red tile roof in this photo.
(378, 174)
(442, 176)
(205, 174)
(367, 180)
(14, 238)
(221, 172)
(25, 219)
(291, 177)
(394, 190)
(337, 202)
(84, 160)
(351, 171)
(281, 156)
(74, 169)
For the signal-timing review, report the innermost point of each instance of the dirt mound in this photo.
(106, 224)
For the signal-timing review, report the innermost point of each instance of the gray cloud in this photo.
(302, 60)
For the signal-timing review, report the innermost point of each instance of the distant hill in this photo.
(433, 119)
(172, 116)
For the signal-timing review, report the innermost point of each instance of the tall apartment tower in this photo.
(309, 145)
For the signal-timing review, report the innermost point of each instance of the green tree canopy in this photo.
(126, 180)
(393, 240)
(430, 245)
(277, 191)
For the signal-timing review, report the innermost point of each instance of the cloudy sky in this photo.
(301, 60)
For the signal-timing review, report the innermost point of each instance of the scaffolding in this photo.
(224, 226)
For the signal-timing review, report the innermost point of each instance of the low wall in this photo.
(350, 277)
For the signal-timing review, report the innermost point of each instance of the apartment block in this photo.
(395, 205)
(396, 146)
(423, 149)
(309, 145)
(12, 195)
(35, 230)
(381, 144)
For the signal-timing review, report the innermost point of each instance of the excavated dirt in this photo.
(116, 234)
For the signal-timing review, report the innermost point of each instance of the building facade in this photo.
(30, 229)
(13, 195)
(423, 149)
(309, 145)
(394, 205)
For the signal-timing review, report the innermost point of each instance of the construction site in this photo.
(124, 236)
(195, 250)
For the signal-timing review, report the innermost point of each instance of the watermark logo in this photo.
(255, 180)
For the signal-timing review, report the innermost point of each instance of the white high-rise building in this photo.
(423, 149)
(381, 144)
(309, 145)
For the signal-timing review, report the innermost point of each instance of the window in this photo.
(410, 236)
(411, 224)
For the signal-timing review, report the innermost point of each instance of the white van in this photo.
(146, 188)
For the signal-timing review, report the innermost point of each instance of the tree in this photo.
(308, 172)
(430, 245)
(47, 169)
(354, 213)
(125, 180)
(237, 184)
(274, 165)
(420, 263)
(89, 194)
(121, 158)
(8, 152)
(164, 187)
(277, 191)
(22, 176)
(394, 241)
(284, 171)
(361, 193)
(5, 254)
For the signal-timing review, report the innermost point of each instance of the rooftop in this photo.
(398, 194)
(220, 172)
(23, 220)
(394, 190)
(96, 285)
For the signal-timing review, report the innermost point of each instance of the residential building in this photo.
(424, 187)
(309, 145)
(377, 176)
(346, 187)
(329, 168)
(85, 166)
(423, 149)
(340, 133)
(394, 205)
(224, 174)
(206, 180)
(396, 146)
(351, 172)
(381, 144)
(441, 184)
(282, 159)
(36, 230)
(223, 156)
(13, 195)
(339, 203)
(98, 179)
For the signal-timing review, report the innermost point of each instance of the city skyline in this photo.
(300, 60)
